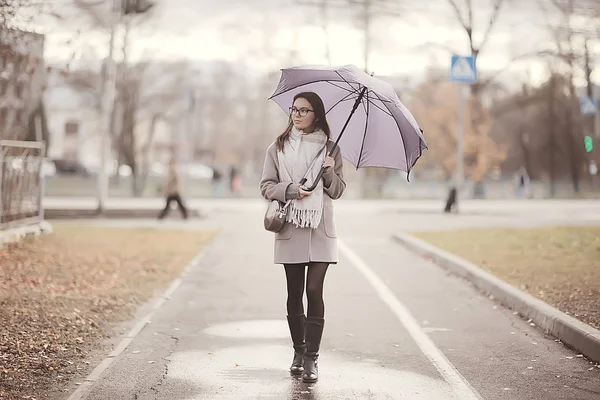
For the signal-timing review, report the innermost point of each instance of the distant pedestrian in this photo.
(308, 239)
(172, 191)
(451, 203)
(235, 181)
(523, 183)
(216, 183)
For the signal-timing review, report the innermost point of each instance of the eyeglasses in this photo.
(303, 112)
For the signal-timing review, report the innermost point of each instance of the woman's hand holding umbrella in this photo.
(329, 163)
(303, 192)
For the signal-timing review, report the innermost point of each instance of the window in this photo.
(3, 87)
(71, 128)
(3, 62)
(3, 115)
(19, 116)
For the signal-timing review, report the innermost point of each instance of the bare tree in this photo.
(10, 9)
(129, 90)
(22, 75)
(324, 7)
(367, 12)
(565, 34)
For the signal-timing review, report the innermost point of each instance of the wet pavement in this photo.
(397, 326)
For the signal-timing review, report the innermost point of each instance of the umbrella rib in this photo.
(385, 111)
(380, 99)
(362, 146)
(304, 84)
(345, 98)
(343, 88)
(344, 79)
(400, 131)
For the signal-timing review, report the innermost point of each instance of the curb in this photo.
(570, 331)
(53, 214)
(83, 390)
(16, 234)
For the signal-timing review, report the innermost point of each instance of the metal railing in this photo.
(21, 183)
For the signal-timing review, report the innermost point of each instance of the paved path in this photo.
(397, 326)
(547, 208)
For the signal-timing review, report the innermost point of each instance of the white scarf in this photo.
(295, 160)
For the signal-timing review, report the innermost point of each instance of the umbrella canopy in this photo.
(380, 132)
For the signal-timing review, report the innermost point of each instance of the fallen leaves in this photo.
(60, 294)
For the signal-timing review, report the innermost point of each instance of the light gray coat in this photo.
(295, 245)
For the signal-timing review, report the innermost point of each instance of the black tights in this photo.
(294, 274)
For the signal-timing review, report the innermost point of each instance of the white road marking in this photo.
(461, 387)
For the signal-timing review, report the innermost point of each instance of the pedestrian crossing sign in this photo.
(463, 70)
(588, 106)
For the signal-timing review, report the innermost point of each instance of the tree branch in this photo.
(459, 15)
(425, 45)
(492, 22)
(512, 60)
(98, 20)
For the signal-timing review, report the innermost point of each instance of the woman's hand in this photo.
(329, 163)
(303, 192)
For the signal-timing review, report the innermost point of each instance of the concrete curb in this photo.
(569, 330)
(156, 303)
(52, 214)
(13, 235)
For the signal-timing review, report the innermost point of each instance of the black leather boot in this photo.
(314, 333)
(297, 325)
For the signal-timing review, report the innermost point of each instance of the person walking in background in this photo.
(172, 191)
(235, 181)
(216, 183)
(308, 239)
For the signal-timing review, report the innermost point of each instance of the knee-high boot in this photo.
(297, 325)
(314, 333)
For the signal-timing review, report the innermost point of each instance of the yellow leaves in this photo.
(435, 105)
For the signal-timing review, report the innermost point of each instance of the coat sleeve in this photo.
(333, 179)
(270, 186)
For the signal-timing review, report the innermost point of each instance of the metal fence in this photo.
(21, 183)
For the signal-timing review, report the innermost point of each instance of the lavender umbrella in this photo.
(368, 121)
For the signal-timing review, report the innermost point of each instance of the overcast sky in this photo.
(265, 33)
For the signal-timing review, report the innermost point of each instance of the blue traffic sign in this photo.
(463, 70)
(588, 106)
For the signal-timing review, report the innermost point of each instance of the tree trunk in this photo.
(525, 153)
(552, 139)
(572, 136)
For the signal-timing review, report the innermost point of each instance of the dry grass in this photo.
(61, 293)
(560, 265)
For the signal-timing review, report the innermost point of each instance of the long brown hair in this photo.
(320, 117)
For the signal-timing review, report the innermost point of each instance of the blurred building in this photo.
(73, 116)
(22, 82)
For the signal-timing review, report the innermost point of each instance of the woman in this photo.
(308, 238)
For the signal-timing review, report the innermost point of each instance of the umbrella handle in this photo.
(315, 183)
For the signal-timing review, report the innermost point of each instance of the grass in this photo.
(61, 293)
(560, 265)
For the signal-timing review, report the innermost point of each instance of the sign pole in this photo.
(460, 157)
(464, 72)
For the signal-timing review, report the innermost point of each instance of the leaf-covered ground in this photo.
(61, 293)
